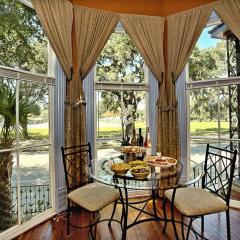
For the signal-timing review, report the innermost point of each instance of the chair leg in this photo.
(164, 200)
(95, 228)
(113, 212)
(90, 232)
(189, 228)
(173, 221)
(68, 217)
(228, 225)
(182, 226)
(202, 225)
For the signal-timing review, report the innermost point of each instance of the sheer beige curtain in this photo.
(182, 32)
(56, 17)
(229, 11)
(92, 30)
(146, 33)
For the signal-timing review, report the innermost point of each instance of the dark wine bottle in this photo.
(140, 137)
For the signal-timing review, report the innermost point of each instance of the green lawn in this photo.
(208, 128)
(197, 129)
(116, 131)
(38, 133)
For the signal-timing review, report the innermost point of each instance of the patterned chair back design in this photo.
(77, 162)
(219, 169)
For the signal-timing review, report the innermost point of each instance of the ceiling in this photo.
(145, 7)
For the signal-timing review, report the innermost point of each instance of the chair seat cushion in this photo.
(196, 201)
(93, 197)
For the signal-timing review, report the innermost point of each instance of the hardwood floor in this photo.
(215, 227)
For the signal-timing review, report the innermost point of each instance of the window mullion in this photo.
(17, 153)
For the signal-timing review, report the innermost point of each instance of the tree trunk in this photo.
(6, 220)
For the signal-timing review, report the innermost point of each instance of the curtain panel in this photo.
(182, 32)
(229, 12)
(92, 30)
(56, 17)
(146, 32)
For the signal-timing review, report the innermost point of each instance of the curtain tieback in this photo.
(168, 108)
(75, 104)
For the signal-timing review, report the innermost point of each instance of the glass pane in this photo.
(7, 113)
(209, 109)
(109, 126)
(35, 192)
(118, 111)
(33, 113)
(208, 59)
(120, 61)
(8, 190)
(23, 42)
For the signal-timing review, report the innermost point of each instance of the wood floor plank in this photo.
(215, 227)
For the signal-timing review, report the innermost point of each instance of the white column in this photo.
(58, 124)
(88, 87)
(153, 96)
(183, 120)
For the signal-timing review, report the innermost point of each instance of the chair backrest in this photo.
(219, 171)
(77, 162)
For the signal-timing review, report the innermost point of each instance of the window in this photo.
(120, 83)
(25, 146)
(213, 89)
(26, 118)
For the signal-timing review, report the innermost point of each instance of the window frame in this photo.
(20, 76)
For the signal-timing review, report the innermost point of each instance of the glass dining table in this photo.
(151, 187)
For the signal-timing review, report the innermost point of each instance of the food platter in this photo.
(132, 149)
(160, 161)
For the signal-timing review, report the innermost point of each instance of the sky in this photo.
(205, 41)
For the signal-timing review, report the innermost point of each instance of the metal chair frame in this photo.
(74, 160)
(219, 184)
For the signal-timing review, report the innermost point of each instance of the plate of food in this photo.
(160, 161)
(132, 149)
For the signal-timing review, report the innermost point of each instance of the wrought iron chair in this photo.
(81, 189)
(212, 197)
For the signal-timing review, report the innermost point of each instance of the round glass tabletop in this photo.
(160, 177)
